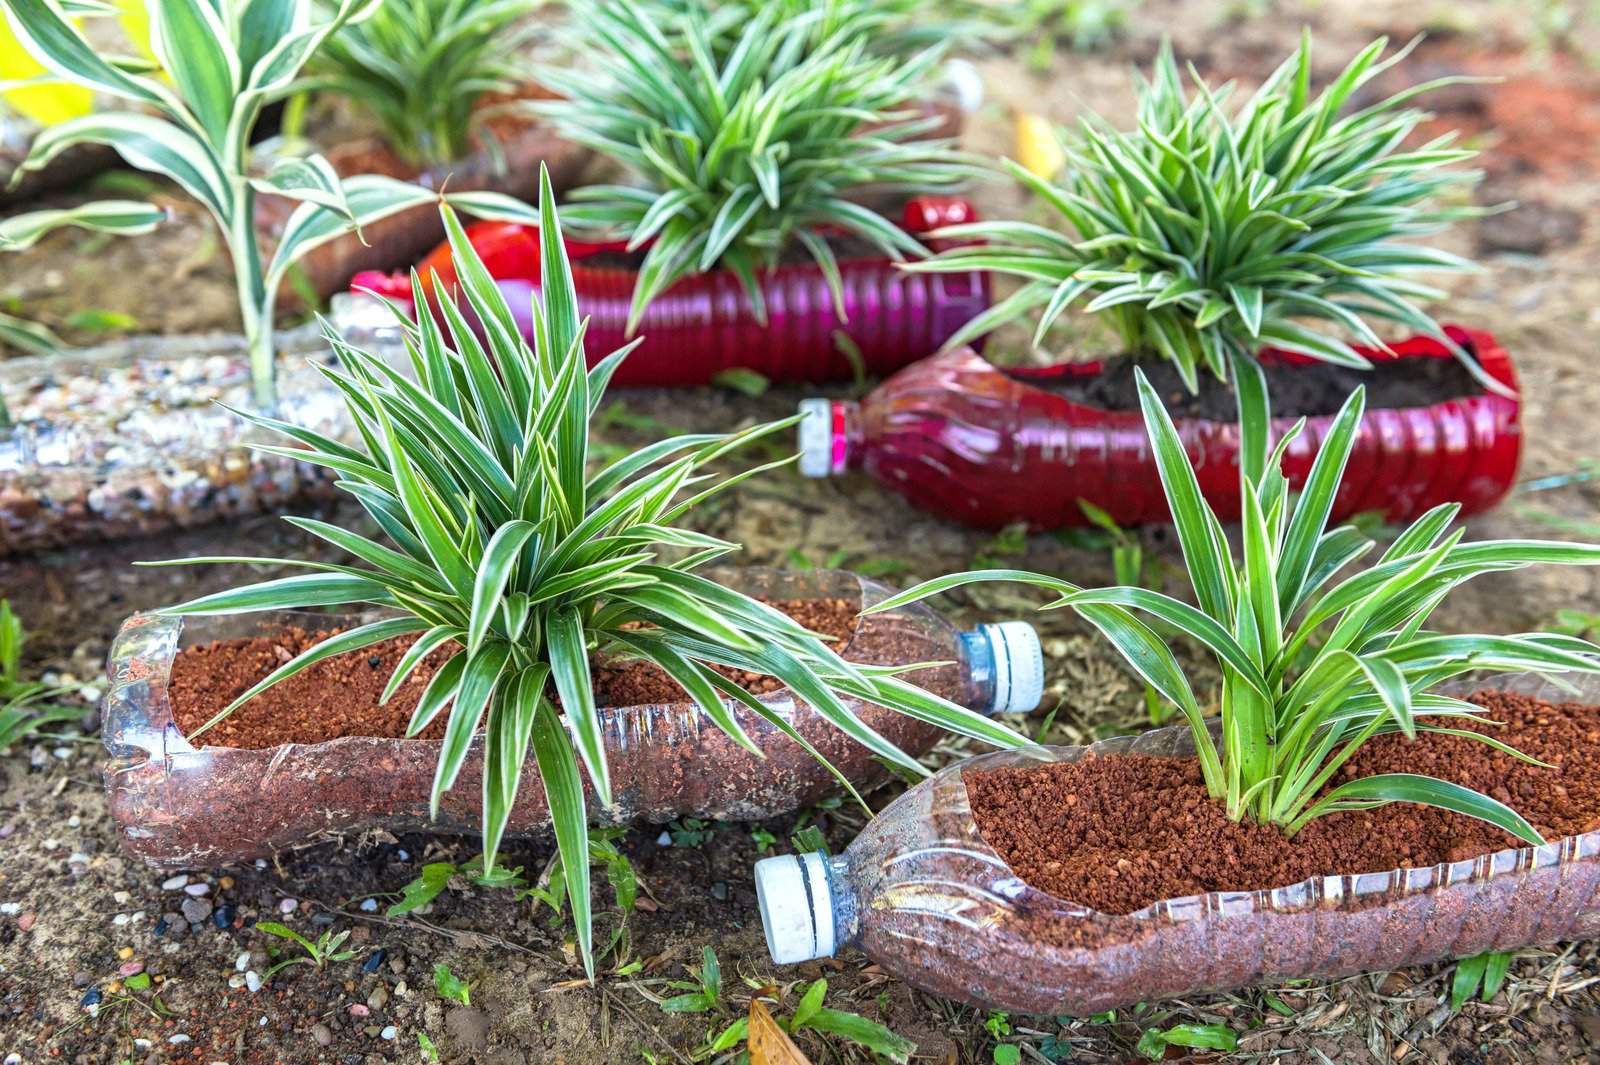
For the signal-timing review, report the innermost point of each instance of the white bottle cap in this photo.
(816, 437)
(965, 83)
(796, 907)
(1018, 666)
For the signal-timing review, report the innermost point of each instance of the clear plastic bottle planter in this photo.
(923, 896)
(989, 447)
(704, 324)
(511, 167)
(180, 806)
(129, 440)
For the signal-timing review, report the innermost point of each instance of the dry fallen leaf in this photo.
(769, 1044)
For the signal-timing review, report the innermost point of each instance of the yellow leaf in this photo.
(769, 1044)
(43, 104)
(1038, 149)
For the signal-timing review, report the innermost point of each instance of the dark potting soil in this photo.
(339, 696)
(1308, 389)
(1119, 832)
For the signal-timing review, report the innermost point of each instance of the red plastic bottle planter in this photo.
(987, 447)
(703, 325)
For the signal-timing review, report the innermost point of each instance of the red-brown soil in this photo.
(1118, 833)
(339, 696)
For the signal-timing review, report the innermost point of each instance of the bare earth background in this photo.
(75, 911)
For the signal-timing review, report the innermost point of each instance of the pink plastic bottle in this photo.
(989, 447)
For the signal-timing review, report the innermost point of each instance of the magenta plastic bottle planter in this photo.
(924, 896)
(989, 447)
(185, 807)
(703, 325)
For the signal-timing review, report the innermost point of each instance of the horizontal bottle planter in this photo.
(704, 324)
(985, 447)
(925, 897)
(180, 806)
(511, 167)
(128, 439)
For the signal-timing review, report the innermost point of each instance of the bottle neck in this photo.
(831, 437)
(977, 656)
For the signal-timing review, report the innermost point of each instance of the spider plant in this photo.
(741, 158)
(1312, 667)
(420, 66)
(1209, 231)
(504, 548)
(222, 61)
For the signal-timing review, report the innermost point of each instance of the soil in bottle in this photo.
(1299, 389)
(1116, 833)
(339, 696)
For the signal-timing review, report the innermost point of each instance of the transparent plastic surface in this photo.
(131, 439)
(988, 448)
(181, 806)
(704, 325)
(925, 897)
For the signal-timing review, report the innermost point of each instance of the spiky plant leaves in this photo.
(420, 68)
(1210, 231)
(741, 153)
(1311, 672)
(505, 548)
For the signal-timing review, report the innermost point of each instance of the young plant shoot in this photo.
(192, 122)
(506, 549)
(1205, 233)
(739, 160)
(1312, 667)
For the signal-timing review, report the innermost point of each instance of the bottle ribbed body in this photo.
(989, 448)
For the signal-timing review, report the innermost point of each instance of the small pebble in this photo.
(82, 979)
(242, 962)
(403, 855)
(252, 980)
(322, 1034)
(6, 830)
(13, 1058)
(223, 916)
(261, 863)
(374, 960)
(359, 1009)
(161, 927)
(226, 883)
(121, 897)
(196, 910)
(90, 997)
(369, 905)
(287, 906)
(121, 919)
(124, 953)
(389, 1033)
(179, 1038)
(379, 998)
(322, 920)
(236, 981)
(175, 883)
(10, 909)
(719, 890)
(664, 840)
(196, 890)
(132, 968)
(25, 922)
(74, 821)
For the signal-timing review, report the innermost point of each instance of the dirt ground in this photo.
(75, 915)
